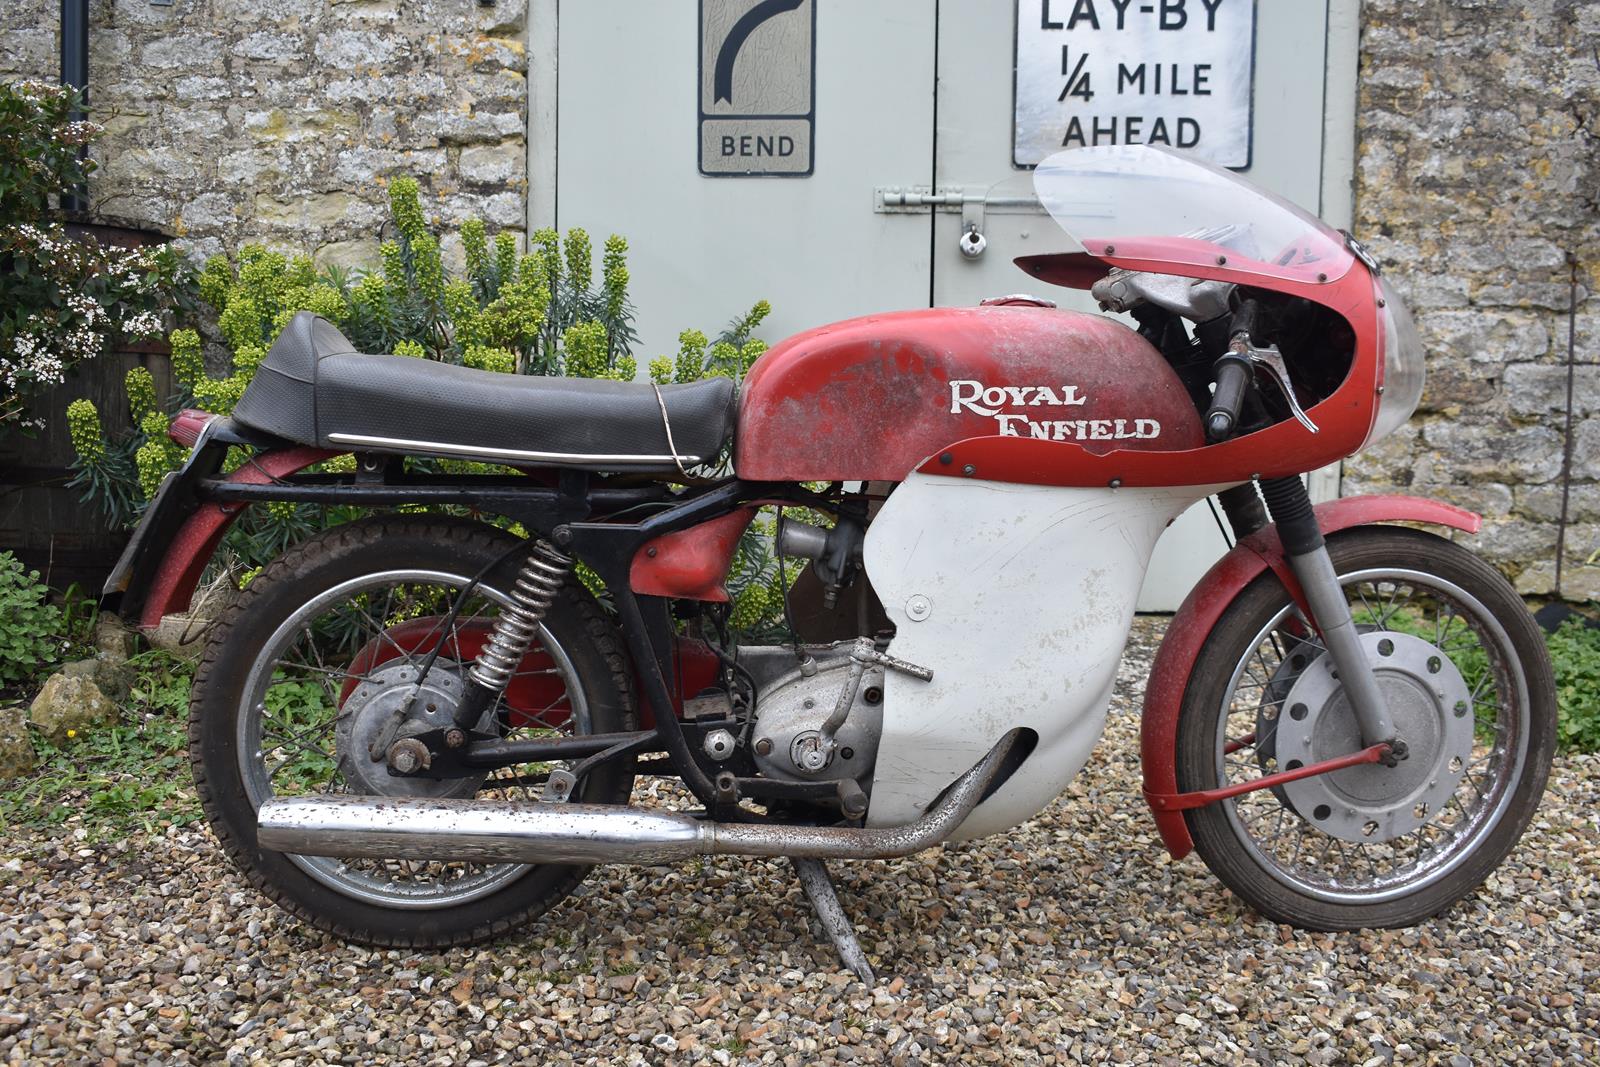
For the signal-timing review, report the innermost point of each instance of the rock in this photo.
(113, 638)
(68, 702)
(16, 748)
(110, 673)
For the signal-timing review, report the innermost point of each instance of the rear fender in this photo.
(1205, 604)
(172, 583)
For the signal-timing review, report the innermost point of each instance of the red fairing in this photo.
(691, 564)
(197, 541)
(1343, 418)
(1189, 628)
(872, 398)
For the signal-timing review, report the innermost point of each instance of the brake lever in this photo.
(1271, 360)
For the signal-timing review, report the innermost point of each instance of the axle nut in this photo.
(408, 756)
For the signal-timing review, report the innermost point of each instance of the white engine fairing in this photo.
(1019, 598)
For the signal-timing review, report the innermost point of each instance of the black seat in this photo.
(314, 388)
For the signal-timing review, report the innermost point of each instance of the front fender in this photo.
(1187, 633)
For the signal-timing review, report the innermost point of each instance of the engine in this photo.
(794, 704)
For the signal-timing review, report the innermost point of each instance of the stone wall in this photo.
(278, 120)
(1478, 172)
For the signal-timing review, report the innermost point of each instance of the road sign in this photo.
(758, 62)
(1166, 72)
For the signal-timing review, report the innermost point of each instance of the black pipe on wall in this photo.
(75, 73)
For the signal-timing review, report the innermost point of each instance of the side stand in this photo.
(818, 885)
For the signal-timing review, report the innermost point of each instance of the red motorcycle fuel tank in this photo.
(870, 398)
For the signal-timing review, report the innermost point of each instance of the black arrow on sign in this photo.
(722, 79)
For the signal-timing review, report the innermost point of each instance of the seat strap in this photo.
(666, 424)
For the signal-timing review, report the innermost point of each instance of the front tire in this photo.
(283, 669)
(1293, 854)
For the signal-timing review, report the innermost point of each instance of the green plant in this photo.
(130, 775)
(1575, 653)
(61, 300)
(29, 641)
(541, 313)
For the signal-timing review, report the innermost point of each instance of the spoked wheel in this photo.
(310, 665)
(1467, 680)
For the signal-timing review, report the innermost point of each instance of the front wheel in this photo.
(1467, 678)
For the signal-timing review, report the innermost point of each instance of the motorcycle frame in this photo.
(176, 539)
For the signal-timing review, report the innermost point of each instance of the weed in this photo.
(1575, 651)
(133, 775)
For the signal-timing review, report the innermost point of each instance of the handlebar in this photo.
(1234, 372)
(1234, 377)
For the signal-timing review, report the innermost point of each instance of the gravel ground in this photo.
(1075, 940)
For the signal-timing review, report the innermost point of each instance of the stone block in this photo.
(209, 211)
(17, 756)
(361, 252)
(318, 211)
(1586, 451)
(1552, 295)
(1489, 500)
(1541, 389)
(1453, 385)
(343, 51)
(252, 166)
(454, 128)
(493, 164)
(191, 52)
(271, 47)
(204, 87)
(70, 703)
(1487, 449)
(1513, 542)
(1482, 336)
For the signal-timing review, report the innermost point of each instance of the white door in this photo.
(704, 248)
(909, 95)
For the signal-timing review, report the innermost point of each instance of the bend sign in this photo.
(758, 63)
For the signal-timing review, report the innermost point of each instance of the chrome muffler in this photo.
(493, 831)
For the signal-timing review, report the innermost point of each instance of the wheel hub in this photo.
(1431, 708)
(371, 710)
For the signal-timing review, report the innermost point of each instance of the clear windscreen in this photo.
(1148, 202)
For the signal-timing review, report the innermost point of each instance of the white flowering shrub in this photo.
(62, 300)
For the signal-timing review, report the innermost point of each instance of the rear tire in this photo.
(225, 776)
(1388, 883)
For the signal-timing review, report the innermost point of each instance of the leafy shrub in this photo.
(1575, 651)
(61, 300)
(539, 313)
(28, 641)
(110, 780)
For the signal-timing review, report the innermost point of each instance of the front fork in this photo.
(1289, 505)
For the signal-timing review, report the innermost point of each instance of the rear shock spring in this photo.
(541, 578)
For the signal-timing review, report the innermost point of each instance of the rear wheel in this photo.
(310, 663)
(1468, 682)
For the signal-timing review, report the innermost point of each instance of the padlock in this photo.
(973, 243)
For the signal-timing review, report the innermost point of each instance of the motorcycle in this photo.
(421, 729)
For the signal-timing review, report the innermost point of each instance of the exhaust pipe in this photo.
(416, 828)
